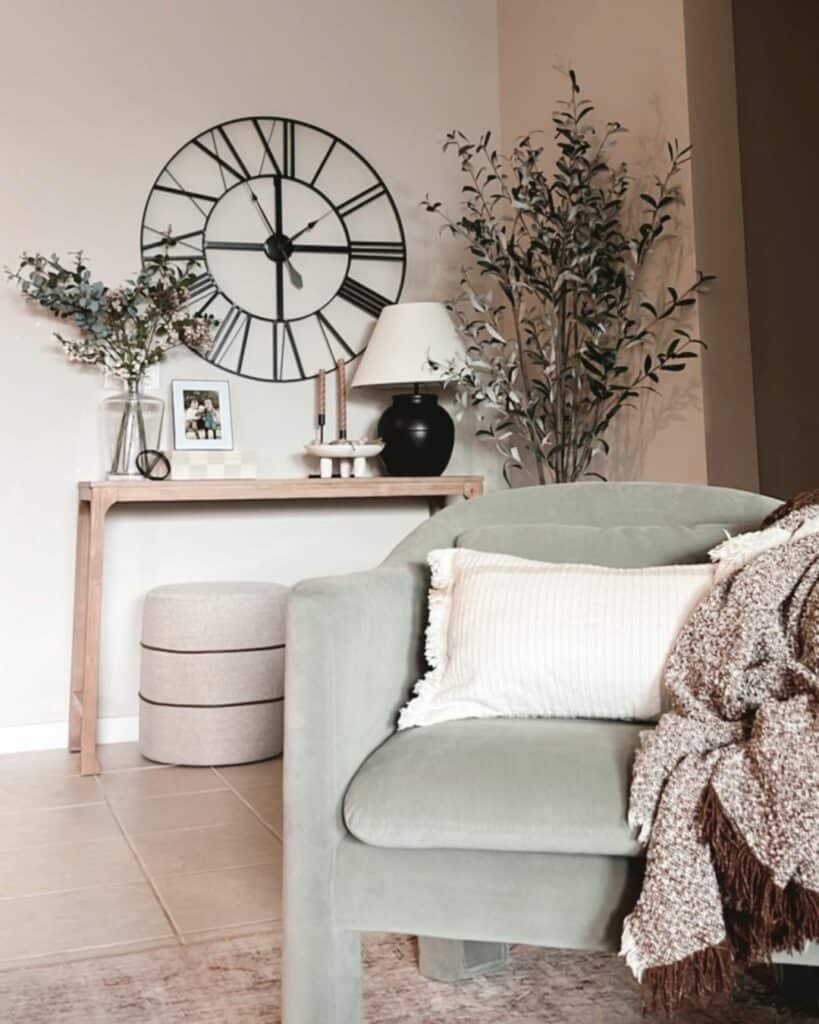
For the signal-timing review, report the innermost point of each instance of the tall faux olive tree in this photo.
(560, 332)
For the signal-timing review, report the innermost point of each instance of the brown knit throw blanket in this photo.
(726, 788)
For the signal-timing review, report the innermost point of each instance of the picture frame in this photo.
(202, 419)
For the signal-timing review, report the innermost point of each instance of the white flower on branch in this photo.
(123, 330)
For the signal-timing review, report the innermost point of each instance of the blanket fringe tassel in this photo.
(696, 979)
(762, 917)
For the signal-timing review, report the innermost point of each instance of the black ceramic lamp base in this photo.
(418, 436)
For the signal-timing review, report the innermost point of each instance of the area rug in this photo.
(236, 981)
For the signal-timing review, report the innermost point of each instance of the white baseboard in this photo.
(53, 735)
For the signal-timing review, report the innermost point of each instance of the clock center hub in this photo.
(278, 247)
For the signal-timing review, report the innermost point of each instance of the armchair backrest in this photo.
(620, 524)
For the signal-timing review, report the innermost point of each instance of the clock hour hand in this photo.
(309, 226)
(295, 277)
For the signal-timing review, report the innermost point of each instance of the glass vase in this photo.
(133, 423)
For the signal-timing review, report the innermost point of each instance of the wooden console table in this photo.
(96, 498)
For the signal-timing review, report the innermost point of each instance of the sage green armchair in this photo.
(479, 831)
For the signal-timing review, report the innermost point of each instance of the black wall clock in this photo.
(300, 243)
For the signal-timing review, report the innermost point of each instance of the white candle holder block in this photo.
(351, 457)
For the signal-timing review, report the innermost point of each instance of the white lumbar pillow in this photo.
(509, 637)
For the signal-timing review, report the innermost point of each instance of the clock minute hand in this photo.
(255, 200)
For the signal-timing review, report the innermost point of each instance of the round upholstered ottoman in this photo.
(212, 677)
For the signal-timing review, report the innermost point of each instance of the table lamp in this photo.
(417, 432)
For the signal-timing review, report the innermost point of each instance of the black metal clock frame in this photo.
(364, 298)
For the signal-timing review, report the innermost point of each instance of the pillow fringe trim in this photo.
(435, 636)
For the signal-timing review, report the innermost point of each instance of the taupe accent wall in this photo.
(728, 387)
(778, 101)
(630, 58)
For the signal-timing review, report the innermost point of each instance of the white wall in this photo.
(97, 96)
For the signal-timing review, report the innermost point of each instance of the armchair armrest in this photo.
(354, 649)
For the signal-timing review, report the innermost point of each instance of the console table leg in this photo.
(89, 765)
(80, 615)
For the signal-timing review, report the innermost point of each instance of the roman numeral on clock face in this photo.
(223, 164)
(203, 291)
(363, 198)
(265, 143)
(291, 341)
(193, 196)
(362, 297)
(385, 251)
(289, 149)
(172, 241)
(236, 168)
(229, 329)
(284, 345)
(323, 163)
(329, 331)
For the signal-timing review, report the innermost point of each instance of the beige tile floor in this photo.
(141, 856)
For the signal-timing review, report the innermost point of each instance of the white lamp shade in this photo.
(407, 336)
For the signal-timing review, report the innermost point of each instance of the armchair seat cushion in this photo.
(528, 785)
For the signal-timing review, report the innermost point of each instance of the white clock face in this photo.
(300, 243)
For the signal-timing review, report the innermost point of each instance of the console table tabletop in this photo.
(113, 492)
(96, 498)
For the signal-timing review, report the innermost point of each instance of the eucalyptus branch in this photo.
(122, 330)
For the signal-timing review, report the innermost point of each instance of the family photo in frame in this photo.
(201, 415)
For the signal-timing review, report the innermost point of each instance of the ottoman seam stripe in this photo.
(224, 650)
(237, 704)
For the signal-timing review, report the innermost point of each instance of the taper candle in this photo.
(342, 399)
(322, 402)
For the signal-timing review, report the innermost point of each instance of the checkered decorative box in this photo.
(211, 465)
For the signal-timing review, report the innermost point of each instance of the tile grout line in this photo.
(249, 806)
(49, 807)
(61, 892)
(222, 869)
(92, 803)
(234, 825)
(201, 935)
(60, 774)
(85, 954)
(143, 867)
(162, 796)
(51, 843)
